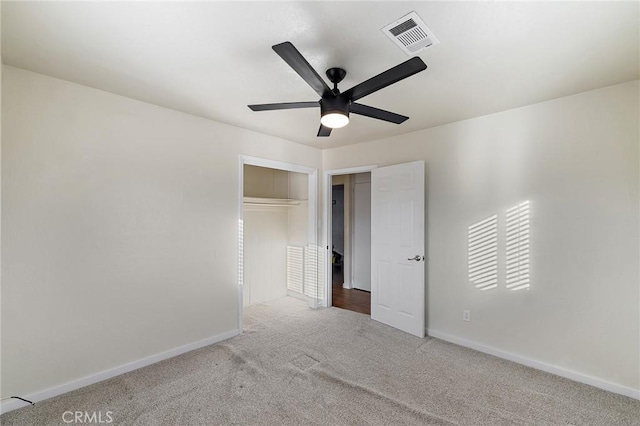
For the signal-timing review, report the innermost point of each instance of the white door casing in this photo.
(397, 247)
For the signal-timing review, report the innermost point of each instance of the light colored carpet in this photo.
(296, 366)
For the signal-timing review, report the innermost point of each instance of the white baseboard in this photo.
(297, 295)
(559, 371)
(12, 404)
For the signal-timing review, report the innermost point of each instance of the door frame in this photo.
(312, 227)
(327, 187)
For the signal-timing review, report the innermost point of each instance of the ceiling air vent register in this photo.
(410, 34)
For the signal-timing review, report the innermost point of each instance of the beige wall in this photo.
(299, 215)
(576, 160)
(265, 240)
(346, 180)
(265, 182)
(1, 84)
(120, 228)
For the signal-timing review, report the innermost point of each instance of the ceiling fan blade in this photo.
(324, 131)
(284, 105)
(387, 78)
(291, 56)
(380, 114)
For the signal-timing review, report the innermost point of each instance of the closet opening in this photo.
(277, 239)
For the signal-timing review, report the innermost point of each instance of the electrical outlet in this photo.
(466, 315)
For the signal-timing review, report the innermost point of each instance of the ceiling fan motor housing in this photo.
(334, 105)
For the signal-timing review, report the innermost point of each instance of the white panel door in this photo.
(397, 247)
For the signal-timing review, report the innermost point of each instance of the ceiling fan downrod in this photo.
(336, 75)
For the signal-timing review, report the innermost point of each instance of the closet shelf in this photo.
(275, 202)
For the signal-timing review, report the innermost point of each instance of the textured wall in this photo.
(120, 228)
(576, 160)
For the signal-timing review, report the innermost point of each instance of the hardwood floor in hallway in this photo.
(351, 299)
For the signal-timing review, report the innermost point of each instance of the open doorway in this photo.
(277, 238)
(349, 239)
(397, 243)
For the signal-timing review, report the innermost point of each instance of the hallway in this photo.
(351, 299)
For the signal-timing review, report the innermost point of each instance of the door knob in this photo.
(417, 258)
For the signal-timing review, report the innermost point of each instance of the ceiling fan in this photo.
(334, 105)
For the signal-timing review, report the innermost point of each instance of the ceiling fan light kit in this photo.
(334, 105)
(335, 120)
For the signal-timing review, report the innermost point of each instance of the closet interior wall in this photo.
(275, 235)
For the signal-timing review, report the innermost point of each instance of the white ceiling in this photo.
(211, 59)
